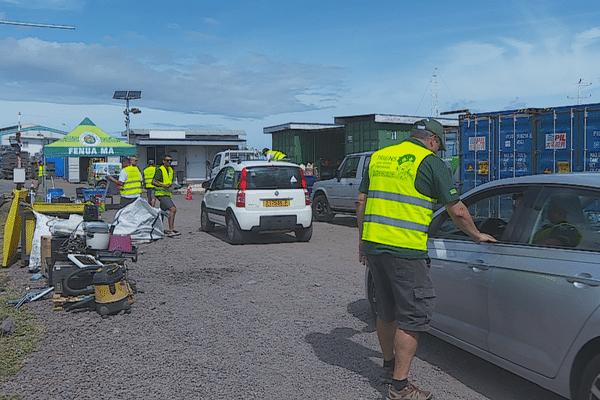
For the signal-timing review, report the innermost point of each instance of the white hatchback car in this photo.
(258, 196)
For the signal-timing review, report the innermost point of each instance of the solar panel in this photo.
(120, 94)
(134, 94)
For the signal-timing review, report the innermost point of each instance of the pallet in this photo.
(59, 301)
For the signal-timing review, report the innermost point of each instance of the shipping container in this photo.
(506, 144)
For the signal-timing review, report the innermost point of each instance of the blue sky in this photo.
(250, 64)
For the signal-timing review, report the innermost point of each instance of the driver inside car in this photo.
(559, 232)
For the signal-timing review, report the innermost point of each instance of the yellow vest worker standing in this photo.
(163, 179)
(394, 210)
(273, 155)
(129, 181)
(41, 174)
(149, 172)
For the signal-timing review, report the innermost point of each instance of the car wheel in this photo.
(101, 185)
(206, 224)
(589, 385)
(321, 210)
(304, 234)
(370, 292)
(234, 233)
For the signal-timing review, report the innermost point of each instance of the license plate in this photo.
(276, 203)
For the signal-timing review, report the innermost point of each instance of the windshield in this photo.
(274, 177)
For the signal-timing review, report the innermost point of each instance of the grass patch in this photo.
(27, 334)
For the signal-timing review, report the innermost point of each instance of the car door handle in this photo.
(479, 265)
(584, 278)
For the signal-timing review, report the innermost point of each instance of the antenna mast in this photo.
(436, 111)
(581, 84)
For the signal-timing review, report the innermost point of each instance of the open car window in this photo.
(491, 212)
(566, 218)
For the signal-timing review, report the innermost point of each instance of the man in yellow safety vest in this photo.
(41, 174)
(129, 181)
(149, 172)
(394, 210)
(163, 180)
(273, 155)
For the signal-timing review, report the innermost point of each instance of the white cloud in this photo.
(593, 33)
(75, 73)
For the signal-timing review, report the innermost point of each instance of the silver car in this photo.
(531, 302)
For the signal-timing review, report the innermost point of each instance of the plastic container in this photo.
(97, 235)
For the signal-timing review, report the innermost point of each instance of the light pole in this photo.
(128, 95)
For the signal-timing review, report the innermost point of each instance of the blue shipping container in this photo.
(532, 141)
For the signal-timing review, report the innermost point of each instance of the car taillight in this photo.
(240, 199)
(243, 180)
(305, 187)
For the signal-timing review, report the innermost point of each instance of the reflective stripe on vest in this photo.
(396, 214)
(133, 185)
(149, 175)
(167, 179)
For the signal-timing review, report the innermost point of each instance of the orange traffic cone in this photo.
(189, 193)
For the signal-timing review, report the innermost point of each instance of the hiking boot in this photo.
(410, 392)
(387, 374)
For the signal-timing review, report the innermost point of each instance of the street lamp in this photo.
(128, 95)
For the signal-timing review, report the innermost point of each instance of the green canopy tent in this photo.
(84, 143)
(87, 140)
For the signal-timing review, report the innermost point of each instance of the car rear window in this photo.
(274, 177)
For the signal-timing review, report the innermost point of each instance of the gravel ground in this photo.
(273, 319)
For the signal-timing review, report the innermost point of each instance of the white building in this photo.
(191, 150)
(33, 137)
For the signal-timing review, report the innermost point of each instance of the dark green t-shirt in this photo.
(433, 180)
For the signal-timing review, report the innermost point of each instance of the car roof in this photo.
(583, 179)
(261, 163)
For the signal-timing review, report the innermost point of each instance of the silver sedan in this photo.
(531, 302)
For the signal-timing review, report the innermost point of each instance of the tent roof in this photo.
(87, 140)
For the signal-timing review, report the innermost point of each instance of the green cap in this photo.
(432, 126)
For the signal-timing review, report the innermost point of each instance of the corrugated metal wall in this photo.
(532, 141)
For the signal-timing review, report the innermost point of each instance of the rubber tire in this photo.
(234, 233)
(304, 234)
(321, 210)
(206, 225)
(590, 378)
(101, 185)
(370, 293)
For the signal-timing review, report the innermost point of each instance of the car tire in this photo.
(234, 233)
(304, 234)
(206, 225)
(321, 210)
(370, 293)
(590, 379)
(101, 185)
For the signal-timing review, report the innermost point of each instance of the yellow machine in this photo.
(112, 292)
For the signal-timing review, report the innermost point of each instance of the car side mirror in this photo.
(337, 175)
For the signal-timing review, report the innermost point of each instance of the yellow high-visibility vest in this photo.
(167, 179)
(133, 185)
(41, 171)
(396, 214)
(277, 155)
(149, 172)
